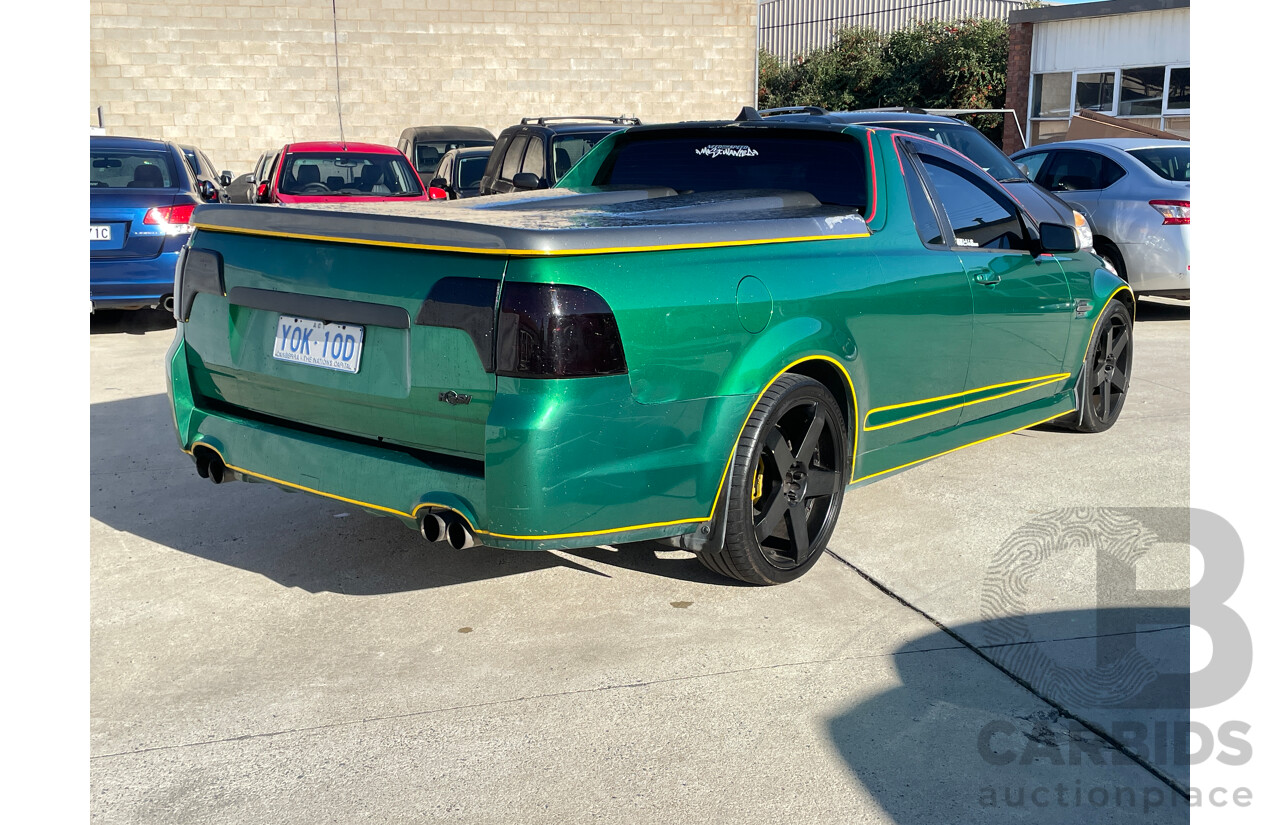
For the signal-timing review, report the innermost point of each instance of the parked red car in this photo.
(325, 171)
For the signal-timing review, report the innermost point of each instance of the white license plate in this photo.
(99, 233)
(332, 346)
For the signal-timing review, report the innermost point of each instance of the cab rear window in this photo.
(130, 169)
(830, 167)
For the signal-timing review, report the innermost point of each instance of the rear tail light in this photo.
(556, 331)
(1174, 212)
(169, 214)
(175, 220)
(199, 270)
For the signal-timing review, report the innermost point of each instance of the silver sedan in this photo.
(1136, 193)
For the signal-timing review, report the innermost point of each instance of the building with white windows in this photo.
(1129, 59)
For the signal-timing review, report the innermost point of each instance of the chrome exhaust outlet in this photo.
(432, 527)
(167, 304)
(209, 465)
(459, 535)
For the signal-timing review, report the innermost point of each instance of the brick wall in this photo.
(1017, 83)
(240, 77)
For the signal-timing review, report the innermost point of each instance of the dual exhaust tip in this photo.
(210, 465)
(435, 527)
(446, 527)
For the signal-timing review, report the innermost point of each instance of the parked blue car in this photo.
(141, 195)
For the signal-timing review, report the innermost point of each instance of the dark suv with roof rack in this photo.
(1044, 206)
(540, 150)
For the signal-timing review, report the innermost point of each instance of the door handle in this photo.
(985, 277)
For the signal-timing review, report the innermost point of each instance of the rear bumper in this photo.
(131, 283)
(581, 465)
(1161, 263)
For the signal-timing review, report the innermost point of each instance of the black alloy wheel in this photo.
(1105, 379)
(788, 478)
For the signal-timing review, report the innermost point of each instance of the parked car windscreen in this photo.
(349, 174)
(831, 168)
(131, 168)
(969, 142)
(1169, 162)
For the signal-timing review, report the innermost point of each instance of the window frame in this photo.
(967, 169)
(1165, 111)
(914, 167)
(1104, 160)
(1074, 103)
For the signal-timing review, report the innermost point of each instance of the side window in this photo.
(511, 163)
(1111, 172)
(1033, 163)
(979, 215)
(1073, 171)
(535, 159)
(275, 164)
(921, 208)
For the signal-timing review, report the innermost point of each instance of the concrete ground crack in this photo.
(1063, 711)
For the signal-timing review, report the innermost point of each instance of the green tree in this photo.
(959, 64)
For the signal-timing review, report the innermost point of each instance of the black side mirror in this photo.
(526, 180)
(439, 183)
(208, 191)
(1057, 237)
(226, 178)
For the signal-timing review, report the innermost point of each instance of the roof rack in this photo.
(794, 110)
(543, 121)
(912, 110)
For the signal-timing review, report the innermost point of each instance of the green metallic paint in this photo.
(586, 461)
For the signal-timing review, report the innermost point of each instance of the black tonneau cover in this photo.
(553, 221)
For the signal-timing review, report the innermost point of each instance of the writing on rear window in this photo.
(727, 151)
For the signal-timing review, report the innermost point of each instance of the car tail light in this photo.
(199, 270)
(1174, 212)
(556, 331)
(435, 193)
(169, 214)
(175, 220)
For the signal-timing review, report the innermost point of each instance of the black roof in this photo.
(446, 133)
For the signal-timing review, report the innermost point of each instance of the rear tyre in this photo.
(788, 477)
(1104, 380)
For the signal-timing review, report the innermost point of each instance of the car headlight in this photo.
(1084, 235)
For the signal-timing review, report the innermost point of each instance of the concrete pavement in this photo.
(260, 656)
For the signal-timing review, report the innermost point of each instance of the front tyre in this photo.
(787, 482)
(1104, 381)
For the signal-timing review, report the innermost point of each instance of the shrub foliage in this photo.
(959, 64)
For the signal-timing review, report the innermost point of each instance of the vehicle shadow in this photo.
(131, 321)
(143, 485)
(1151, 309)
(960, 741)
